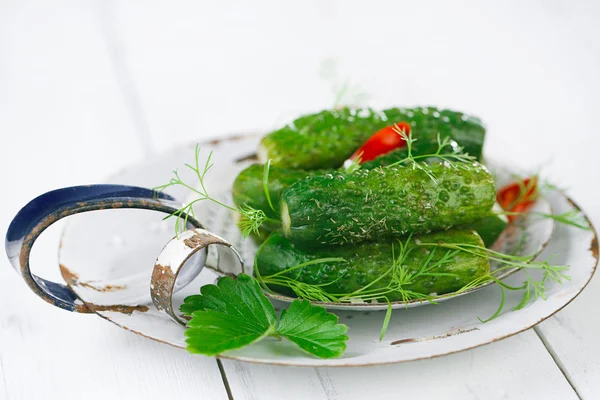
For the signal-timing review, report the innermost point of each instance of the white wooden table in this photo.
(88, 87)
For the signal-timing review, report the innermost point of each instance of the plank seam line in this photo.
(124, 78)
(326, 384)
(225, 381)
(556, 360)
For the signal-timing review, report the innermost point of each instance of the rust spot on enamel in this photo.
(30, 238)
(103, 289)
(234, 138)
(117, 308)
(82, 309)
(69, 276)
(401, 341)
(594, 247)
(117, 204)
(249, 157)
(572, 202)
(46, 222)
(195, 241)
(163, 280)
(73, 279)
(452, 332)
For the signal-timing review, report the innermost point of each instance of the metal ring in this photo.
(174, 256)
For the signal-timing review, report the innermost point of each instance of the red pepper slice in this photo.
(518, 196)
(382, 142)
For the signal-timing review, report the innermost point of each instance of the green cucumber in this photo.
(326, 139)
(428, 122)
(248, 186)
(490, 227)
(248, 190)
(322, 140)
(385, 202)
(369, 261)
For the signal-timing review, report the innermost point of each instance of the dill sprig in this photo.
(456, 159)
(572, 218)
(250, 220)
(301, 289)
(554, 273)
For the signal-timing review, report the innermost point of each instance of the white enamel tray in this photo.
(107, 257)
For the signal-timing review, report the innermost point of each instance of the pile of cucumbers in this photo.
(326, 211)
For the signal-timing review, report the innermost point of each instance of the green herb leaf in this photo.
(386, 320)
(235, 313)
(573, 218)
(230, 315)
(265, 182)
(313, 329)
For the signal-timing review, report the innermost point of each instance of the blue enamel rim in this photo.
(44, 210)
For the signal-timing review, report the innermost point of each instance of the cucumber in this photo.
(322, 140)
(248, 186)
(427, 122)
(328, 138)
(368, 261)
(385, 202)
(490, 227)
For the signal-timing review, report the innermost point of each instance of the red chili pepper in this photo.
(518, 197)
(382, 142)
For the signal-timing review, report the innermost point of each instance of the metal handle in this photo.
(43, 211)
(177, 255)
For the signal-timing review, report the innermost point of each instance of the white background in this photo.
(88, 87)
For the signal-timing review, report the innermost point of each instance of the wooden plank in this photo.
(516, 368)
(63, 122)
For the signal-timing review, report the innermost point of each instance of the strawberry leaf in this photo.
(235, 313)
(313, 329)
(230, 315)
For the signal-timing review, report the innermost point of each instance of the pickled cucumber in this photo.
(369, 261)
(384, 203)
(326, 139)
